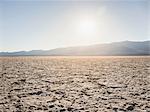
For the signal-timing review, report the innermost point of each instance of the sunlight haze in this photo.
(29, 25)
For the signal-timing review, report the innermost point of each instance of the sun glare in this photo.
(87, 26)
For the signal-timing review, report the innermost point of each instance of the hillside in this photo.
(115, 48)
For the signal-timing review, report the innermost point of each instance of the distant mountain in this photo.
(115, 48)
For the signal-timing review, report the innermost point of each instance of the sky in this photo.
(46, 24)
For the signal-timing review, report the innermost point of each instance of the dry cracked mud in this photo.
(75, 84)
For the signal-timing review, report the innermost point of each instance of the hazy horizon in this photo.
(75, 46)
(44, 25)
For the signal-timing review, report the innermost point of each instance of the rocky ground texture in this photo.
(75, 84)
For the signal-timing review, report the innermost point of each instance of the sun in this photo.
(87, 26)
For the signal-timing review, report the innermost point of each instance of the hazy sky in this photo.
(37, 24)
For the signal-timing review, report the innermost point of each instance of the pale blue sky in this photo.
(30, 25)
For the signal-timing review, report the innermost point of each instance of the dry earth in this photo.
(77, 84)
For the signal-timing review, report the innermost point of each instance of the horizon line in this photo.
(72, 46)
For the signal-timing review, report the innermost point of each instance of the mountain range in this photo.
(108, 49)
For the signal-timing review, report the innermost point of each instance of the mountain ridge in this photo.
(104, 49)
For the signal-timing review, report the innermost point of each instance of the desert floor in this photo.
(77, 84)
